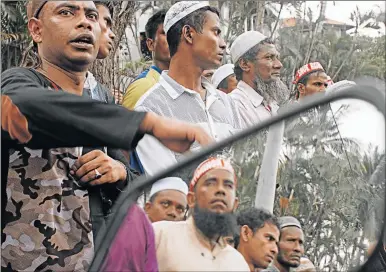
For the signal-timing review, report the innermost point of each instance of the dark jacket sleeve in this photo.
(42, 118)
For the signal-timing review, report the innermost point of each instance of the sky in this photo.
(342, 9)
(364, 123)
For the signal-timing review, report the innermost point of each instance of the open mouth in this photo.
(84, 41)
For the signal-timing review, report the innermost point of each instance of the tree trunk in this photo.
(260, 15)
(277, 20)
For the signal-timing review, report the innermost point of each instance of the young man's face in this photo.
(317, 82)
(262, 246)
(267, 65)
(215, 191)
(291, 247)
(159, 45)
(107, 35)
(208, 46)
(67, 33)
(168, 205)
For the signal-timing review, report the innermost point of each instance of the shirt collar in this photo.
(254, 97)
(174, 89)
(156, 69)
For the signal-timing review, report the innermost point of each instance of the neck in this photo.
(281, 267)
(185, 72)
(162, 65)
(69, 81)
(249, 81)
(243, 251)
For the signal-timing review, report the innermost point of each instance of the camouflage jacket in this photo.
(45, 212)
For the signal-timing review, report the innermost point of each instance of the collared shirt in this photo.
(181, 247)
(251, 105)
(140, 86)
(218, 116)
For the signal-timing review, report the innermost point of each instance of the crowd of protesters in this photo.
(68, 150)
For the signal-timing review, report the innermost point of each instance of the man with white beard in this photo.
(260, 91)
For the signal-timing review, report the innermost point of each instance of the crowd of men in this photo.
(64, 143)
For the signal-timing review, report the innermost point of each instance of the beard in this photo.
(284, 262)
(274, 90)
(213, 224)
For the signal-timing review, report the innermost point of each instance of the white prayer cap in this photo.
(244, 42)
(288, 221)
(180, 10)
(222, 73)
(170, 183)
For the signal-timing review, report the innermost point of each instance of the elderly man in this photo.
(193, 33)
(259, 234)
(310, 79)
(167, 200)
(45, 205)
(291, 246)
(197, 244)
(257, 67)
(224, 78)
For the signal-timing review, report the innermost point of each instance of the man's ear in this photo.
(245, 233)
(147, 207)
(150, 44)
(236, 205)
(245, 65)
(301, 88)
(191, 200)
(188, 33)
(35, 29)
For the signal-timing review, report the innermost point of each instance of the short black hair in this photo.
(250, 55)
(154, 22)
(196, 20)
(108, 4)
(256, 218)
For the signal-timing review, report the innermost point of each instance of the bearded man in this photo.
(197, 244)
(260, 91)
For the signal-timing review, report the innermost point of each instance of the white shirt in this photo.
(251, 106)
(181, 247)
(218, 116)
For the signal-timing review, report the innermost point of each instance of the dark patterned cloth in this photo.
(46, 222)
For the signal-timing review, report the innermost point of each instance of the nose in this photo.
(112, 35)
(220, 190)
(222, 45)
(84, 22)
(322, 88)
(171, 213)
(274, 249)
(298, 247)
(277, 64)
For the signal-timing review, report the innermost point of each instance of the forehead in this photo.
(318, 76)
(211, 19)
(267, 48)
(52, 5)
(292, 232)
(219, 174)
(269, 228)
(172, 195)
(103, 10)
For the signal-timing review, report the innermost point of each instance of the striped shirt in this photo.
(218, 115)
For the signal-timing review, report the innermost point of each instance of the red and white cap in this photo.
(210, 164)
(306, 69)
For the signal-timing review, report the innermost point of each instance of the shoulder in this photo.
(21, 77)
(237, 258)
(168, 227)
(146, 99)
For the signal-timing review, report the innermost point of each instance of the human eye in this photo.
(66, 12)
